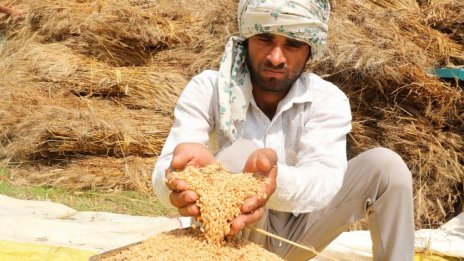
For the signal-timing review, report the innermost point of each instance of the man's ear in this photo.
(309, 54)
(245, 44)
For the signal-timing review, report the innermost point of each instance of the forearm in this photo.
(191, 125)
(158, 180)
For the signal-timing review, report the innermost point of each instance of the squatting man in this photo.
(264, 114)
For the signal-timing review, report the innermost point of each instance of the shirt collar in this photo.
(300, 92)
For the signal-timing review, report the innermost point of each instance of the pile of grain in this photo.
(187, 244)
(221, 195)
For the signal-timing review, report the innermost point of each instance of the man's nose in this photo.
(277, 57)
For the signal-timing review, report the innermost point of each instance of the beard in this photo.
(271, 84)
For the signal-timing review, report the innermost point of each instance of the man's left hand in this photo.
(262, 162)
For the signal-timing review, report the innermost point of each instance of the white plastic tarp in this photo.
(56, 224)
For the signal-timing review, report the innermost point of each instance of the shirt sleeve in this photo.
(316, 178)
(193, 121)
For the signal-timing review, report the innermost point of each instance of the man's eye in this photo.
(295, 44)
(264, 39)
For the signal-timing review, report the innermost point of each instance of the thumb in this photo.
(263, 163)
(179, 161)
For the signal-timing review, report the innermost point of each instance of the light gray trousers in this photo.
(377, 184)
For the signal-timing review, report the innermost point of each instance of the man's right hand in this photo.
(186, 154)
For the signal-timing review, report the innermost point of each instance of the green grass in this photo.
(124, 202)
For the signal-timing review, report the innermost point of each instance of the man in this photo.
(268, 117)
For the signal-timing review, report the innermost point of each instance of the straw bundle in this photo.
(52, 130)
(209, 24)
(435, 157)
(112, 31)
(136, 88)
(130, 173)
(446, 16)
(34, 62)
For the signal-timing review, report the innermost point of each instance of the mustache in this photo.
(269, 65)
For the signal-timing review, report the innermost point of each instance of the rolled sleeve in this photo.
(193, 123)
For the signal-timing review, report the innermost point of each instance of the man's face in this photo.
(275, 62)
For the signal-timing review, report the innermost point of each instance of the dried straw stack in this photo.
(90, 172)
(113, 31)
(446, 16)
(380, 53)
(74, 105)
(137, 88)
(209, 24)
(49, 131)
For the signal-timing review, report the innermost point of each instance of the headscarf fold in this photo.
(303, 20)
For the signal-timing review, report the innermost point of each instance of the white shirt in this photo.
(308, 133)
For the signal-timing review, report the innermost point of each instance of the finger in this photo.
(250, 165)
(175, 184)
(250, 204)
(191, 210)
(180, 160)
(183, 199)
(273, 172)
(263, 163)
(271, 187)
(240, 222)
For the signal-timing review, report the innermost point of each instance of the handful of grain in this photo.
(221, 195)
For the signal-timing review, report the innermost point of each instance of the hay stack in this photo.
(156, 88)
(113, 31)
(446, 16)
(381, 54)
(70, 63)
(48, 131)
(108, 173)
(209, 24)
(153, 88)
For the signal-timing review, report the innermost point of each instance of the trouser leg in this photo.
(377, 183)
